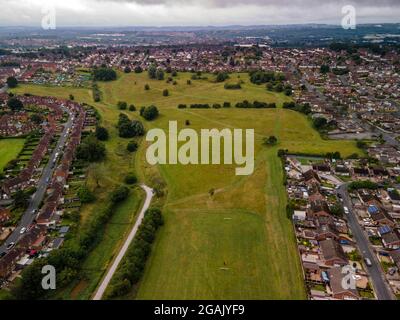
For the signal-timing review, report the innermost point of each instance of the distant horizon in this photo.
(189, 13)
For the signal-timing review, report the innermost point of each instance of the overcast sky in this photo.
(194, 12)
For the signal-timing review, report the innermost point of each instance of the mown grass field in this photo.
(9, 150)
(238, 243)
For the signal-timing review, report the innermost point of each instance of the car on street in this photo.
(23, 230)
(368, 262)
(346, 210)
(10, 245)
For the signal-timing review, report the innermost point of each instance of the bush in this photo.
(101, 134)
(104, 74)
(127, 70)
(138, 69)
(91, 150)
(122, 105)
(119, 195)
(85, 195)
(146, 87)
(130, 179)
(182, 106)
(132, 108)
(12, 82)
(150, 113)
(132, 146)
(166, 93)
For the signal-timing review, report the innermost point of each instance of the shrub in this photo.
(150, 113)
(85, 195)
(130, 179)
(101, 134)
(132, 146)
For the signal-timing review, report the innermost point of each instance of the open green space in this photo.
(9, 150)
(237, 243)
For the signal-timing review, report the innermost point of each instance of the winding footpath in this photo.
(106, 281)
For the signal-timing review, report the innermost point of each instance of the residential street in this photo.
(42, 185)
(379, 284)
(106, 281)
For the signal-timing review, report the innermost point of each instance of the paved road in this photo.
(379, 283)
(3, 89)
(42, 185)
(104, 284)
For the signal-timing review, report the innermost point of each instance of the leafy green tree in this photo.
(122, 105)
(160, 74)
(91, 150)
(138, 69)
(104, 74)
(15, 104)
(150, 113)
(85, 195)
(152, 72)
(324, 69)
(132, 146)
(12, 82)
(271, 141)
(120, 194)
(101, 134)
(165, 93)
(130, 179)
(36, 118)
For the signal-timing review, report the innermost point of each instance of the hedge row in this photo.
(132, 267)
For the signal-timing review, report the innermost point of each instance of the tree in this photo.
(91, 150)
(222, 76)
(85, 195)
(104, 74)
(150, 113)
(132, 146)
(271, 141)
(127, 70)
(320, 123)
(101, 134)
(71, 97)
(130, 179)
(15, 104)
(166, 93)
(36, 118)
(146, 87)
(160, 74)
(152, 72)
(138, 69)
(21, 199)
(324, 69)
(120, 194)
(12, 82)
(132, 108)
(128, 128)
(122, 105)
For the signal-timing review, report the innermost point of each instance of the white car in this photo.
(23, 230)
(346, 210)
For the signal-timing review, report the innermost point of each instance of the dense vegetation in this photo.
(128, 128)
(104, 74)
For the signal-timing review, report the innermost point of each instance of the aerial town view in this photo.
(183, 150)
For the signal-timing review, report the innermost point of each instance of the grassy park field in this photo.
(9, 150)
(236, 243)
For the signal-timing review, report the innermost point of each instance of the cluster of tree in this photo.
(36, 118)
(149, 113)
(155, 73)
(12, 82)
(340, 71)
(10, 64)
(320, 123)
(15, 104)
(104, 74)
(261, 77)
(68, 259)
(302, 108)
(324, 69)
(279, 87)
(101, 133)
(255, 105)
(131, 270)
(367, 184)
(128, 128)
(233, 86)
(127, 70)
(333, 155)
(85, 195)
(205, 106)
(96, 92)
(221, 77)
(91, 150)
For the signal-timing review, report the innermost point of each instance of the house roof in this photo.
(331, 249)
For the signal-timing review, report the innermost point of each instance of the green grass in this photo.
(9, 150)
(243, 228)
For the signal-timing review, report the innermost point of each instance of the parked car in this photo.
(346, 210)
(10, 245)
(23, 230)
